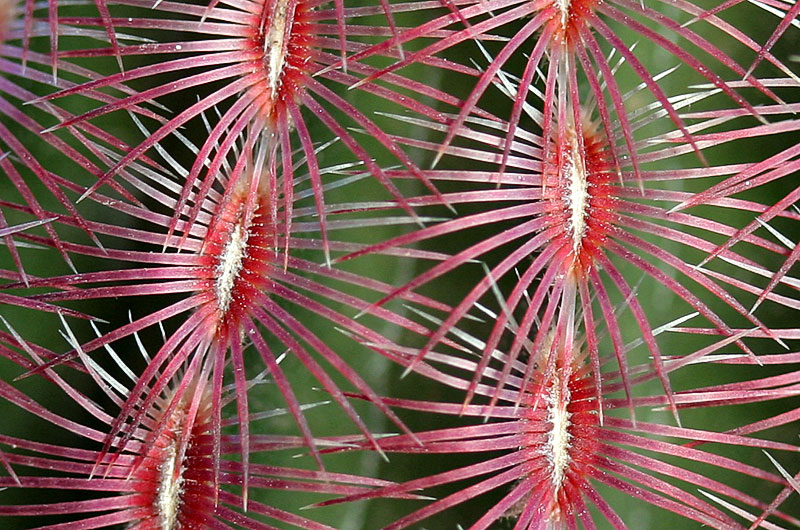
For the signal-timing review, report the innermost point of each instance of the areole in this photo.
(238, 250)
(170, 488)
(277, 35)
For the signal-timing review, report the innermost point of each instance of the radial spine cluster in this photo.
(518, 264)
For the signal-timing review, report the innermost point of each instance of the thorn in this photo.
(325, 70)
(439, 155)
(327, 252)
(675, 415)
(785, 474)
(705, 260)
(408, 370)
(401, 52)
(359, 83)
(679, 207)
(35, 101)
(755, 306)
(749, 71)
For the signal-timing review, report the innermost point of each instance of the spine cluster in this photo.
(523, 264)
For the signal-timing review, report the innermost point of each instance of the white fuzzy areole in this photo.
(229, 266)
(559, 437)
(275, 46)
(574, 170)
(170, 489)
(563, 7)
